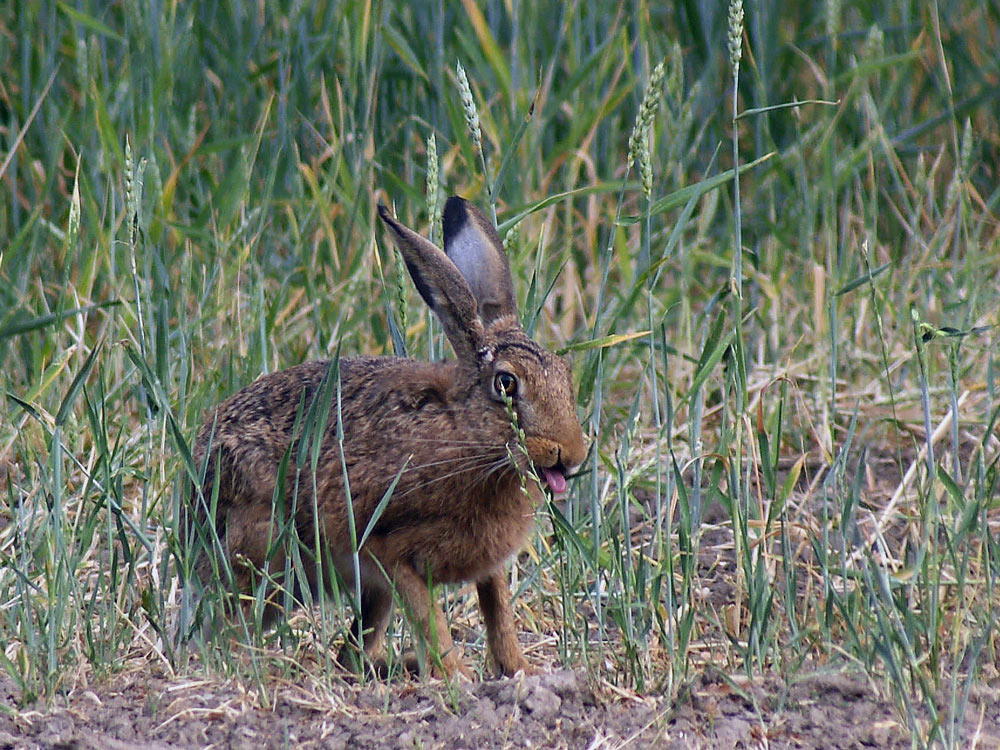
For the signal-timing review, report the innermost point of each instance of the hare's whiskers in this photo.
(482, 471)
(466, 460)
(473, 468)
(456, 441)
(465, 465)
(499, 466)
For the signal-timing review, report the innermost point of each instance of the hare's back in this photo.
(246, 436)
(264, 412)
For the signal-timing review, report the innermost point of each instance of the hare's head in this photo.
(469, 288)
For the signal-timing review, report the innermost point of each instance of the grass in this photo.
(795, 458)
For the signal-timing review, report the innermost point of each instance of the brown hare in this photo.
(461, 506)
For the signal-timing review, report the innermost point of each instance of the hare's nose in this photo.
(561, 463)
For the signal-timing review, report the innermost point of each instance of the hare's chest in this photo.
(470, 550)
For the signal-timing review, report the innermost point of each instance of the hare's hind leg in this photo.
(501, 634)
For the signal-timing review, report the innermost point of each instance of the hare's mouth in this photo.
(555, 478)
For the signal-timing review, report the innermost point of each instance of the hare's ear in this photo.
(472, 243)
(442, 286)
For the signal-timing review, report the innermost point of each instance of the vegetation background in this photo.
(790, 381)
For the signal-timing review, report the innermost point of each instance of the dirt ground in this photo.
(559, 709)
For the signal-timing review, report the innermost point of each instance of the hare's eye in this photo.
(505, 385)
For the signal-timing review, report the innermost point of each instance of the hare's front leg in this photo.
(429, 619)
(501, 634)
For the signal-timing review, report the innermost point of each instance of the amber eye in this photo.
(505, 385)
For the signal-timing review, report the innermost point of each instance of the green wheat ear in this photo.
(874, 44)
(73, 224)
(734, 34)
(638, 142)
(469, 108)
(433, 191)
(475, 132)
(512, 239)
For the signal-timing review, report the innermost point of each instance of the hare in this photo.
(461, 506)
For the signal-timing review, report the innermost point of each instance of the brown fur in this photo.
(460, 508)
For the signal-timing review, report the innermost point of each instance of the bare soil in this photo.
(559, 709)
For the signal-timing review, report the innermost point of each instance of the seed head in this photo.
(469, 108)
(638, 142)
(965, 152)
(73, 226)
(735, 34)
(874, 44)
(433, 188)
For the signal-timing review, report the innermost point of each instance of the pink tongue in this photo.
(554, 479)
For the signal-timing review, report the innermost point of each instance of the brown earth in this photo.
(559, 709)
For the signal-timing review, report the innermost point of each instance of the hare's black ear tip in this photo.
(383, 211)
(455, 216)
